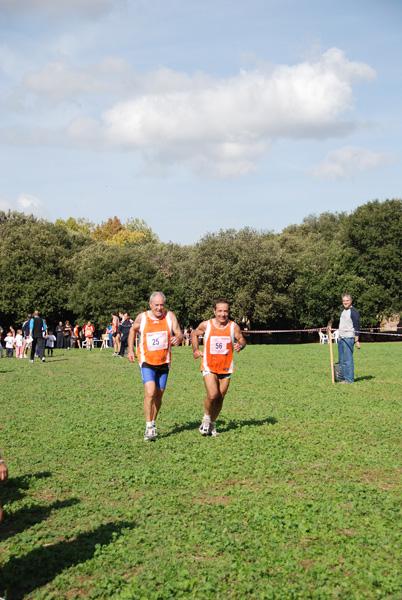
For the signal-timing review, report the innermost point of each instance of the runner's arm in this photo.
(195, 342)
(177, 338)
(240, 342)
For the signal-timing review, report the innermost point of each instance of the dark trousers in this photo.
(50, 351)
(41, 347)
(123, 344)
(9, 353)
(59, 338)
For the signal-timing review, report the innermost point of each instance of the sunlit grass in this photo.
(298, 497)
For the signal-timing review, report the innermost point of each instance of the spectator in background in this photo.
(9, 341)
(76, 337)
(109, 331)
(50, 340)
(349, 329)
(37, 330)
(124, 330)
(1, 347)
(19, 341)
(59, 335)
(115, 335)
(25, 333)
(67, 331)
(89, 331)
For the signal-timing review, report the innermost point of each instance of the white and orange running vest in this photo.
(89, 331)
(218, 348)
(155, 335)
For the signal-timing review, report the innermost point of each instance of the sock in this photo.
(153, 423)
(207, 417)
(148, 423)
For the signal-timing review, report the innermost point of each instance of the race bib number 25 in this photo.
(157, 340)
(220, 344)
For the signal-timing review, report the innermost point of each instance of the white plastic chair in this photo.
(323, 338)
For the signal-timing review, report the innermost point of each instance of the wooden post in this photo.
(331, 354)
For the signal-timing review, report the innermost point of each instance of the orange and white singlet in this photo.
(89, 331)
(218, 348)
(155, 335)
(115, 324)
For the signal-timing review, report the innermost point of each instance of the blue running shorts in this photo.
(159, 378)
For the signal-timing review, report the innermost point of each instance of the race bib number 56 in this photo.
(220, 344)
(157, 340)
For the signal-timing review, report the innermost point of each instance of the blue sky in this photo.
(199, 116)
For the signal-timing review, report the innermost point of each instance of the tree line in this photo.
(77, 270)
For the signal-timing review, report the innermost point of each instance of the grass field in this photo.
(300, 496)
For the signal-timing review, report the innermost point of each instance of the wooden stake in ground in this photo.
(331, 354)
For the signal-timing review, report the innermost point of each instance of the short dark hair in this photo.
(221, 301)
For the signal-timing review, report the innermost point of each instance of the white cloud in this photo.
(30, 205)
(57, 7)
(26, 204)
(346, 162)
(246, 112)
(222, 126)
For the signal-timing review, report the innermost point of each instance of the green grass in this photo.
(299, 496)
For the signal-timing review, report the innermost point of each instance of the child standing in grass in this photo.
(50, 340)
(10, 344)
(19, 340)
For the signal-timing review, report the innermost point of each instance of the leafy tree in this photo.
(114, 232)
(250, 269)
(34, 266)
(373, 234)
(113, 278)
(79, 225)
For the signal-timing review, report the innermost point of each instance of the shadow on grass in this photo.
(51, 359)
(13, 489)
(229, 425)
(24, 518)
(24, 574)
(179, 428)
(222, 425)
(366, 378)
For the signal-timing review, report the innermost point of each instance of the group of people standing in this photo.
(68, 336)
(32, 337)
(35, 338)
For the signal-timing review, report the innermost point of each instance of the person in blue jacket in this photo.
(38, 332)
(349, 329)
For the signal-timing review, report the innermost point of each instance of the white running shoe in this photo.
(212, 430)
(204, 427)
(149, 434)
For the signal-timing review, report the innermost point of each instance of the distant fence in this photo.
(311, 336)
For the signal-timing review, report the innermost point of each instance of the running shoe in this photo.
(212, 430)
(149, 434)
(204, 427)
